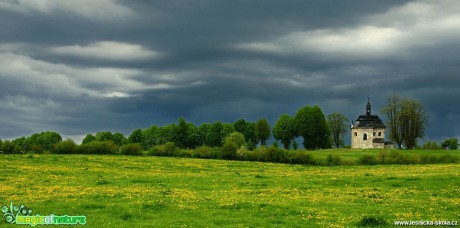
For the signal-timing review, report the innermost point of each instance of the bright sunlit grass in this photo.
(122, 191)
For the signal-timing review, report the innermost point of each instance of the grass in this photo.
(121, 191)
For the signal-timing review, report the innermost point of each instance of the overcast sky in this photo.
(85, 66)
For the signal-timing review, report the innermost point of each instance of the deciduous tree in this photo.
(311, 125)
(407, 120)
(337, 123)
(284, 130)
(262, 130)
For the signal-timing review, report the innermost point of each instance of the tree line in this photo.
(308, 123)
(407, 122)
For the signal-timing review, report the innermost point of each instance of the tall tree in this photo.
(182, 134)
(262, 130)
(392, 109)
(250, 134)
(338, 127)
(284, 130)
(214, 135)
(413, 122)
(194, 136)
(407, 120)
(311, 125)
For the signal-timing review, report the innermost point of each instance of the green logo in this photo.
(22, 215)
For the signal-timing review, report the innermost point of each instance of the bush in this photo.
(372, 222)
(334, 159)
(65, 147)
(275, 154)
(168, 149)
(229, 150)
(131, 149)
(367, 160)
(301, 157)
(431, 145)
(96, 147)
(10, 148)
(205, 152)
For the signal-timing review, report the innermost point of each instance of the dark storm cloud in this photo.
(86, 66)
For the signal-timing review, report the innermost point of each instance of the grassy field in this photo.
(122, 191)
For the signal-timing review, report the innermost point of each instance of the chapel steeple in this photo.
(368, 107)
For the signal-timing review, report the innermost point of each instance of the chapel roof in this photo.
(368, 120)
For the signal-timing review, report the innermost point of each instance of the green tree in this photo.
(247, 129)
(148, 137)
(9, 148)
(166, 134)
(240, 126)
(451, 144)
(182, 134)
(44, 140)
(232, 143)
(392, 110)
(337, 123)
(89, 138)
(284, 130)
(311, 125)
(236, 138)
(194, 137)
(23, 143)
(119, 139)
(202, 132)
(104, 136)
(136, 136)
(413, 120)
(214, 135)
(227, 129)
(262, 130)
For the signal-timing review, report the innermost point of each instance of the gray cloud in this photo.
(82, 67)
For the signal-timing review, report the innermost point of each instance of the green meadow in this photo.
(145, 191)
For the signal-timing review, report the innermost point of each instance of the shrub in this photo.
(96, 147)
(229, 150)
(65, 147)
(168, 149)
(333, 159)
(301, 157)
(275, 154)
(131, 149)
(205, 152)
(447, 158)
(431, 145)
(372, 222)
(367, 160)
